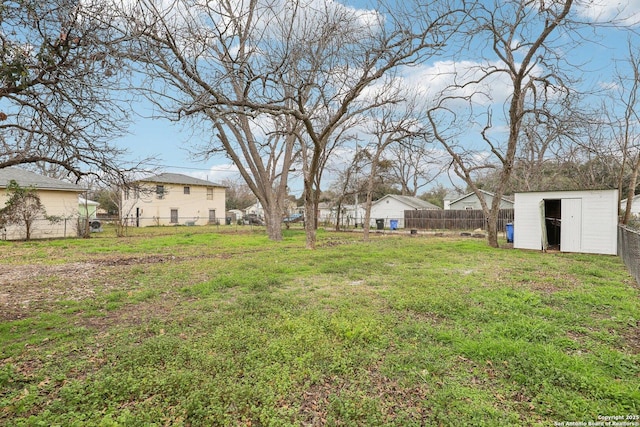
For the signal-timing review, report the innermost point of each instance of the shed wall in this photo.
(598, 220)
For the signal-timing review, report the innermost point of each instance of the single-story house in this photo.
(258, 210)
(254, 209)
(350, 215)
(570, 221)
(635, 205)
(470, 201)
(392, 206)
(173, 199)
(87, 208)
(234, 214)
(325, 212)
(59, 199)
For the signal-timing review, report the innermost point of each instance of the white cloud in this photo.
(624, 11)
(434, 79)
(218, 173)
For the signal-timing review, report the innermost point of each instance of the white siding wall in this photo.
(389, 209)
(473, 202)
(598, 220)
(63, 204)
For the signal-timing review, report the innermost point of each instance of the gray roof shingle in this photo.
(178, 178)
(412, 201)
(25, 178)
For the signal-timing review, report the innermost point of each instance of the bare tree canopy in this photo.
(518, 49)
(290, 73)
(58, 71)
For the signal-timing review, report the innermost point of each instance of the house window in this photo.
(174, 216)
(212, 216)
(187, 190)
(160, 191)
(209, 193)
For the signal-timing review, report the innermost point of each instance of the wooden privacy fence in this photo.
(453, 219)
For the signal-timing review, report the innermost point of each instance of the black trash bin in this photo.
(380, 224)
(228, 220)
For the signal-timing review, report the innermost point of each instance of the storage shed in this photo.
(569, 221)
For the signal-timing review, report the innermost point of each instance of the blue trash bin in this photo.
(393, 224)
(509, 231)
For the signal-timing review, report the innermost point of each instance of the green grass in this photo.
(200, 326)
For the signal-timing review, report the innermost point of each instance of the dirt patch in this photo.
(632, 338)
(28, 288)
(397, 400)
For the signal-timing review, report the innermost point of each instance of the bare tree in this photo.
(306, 64)
(214, 63)
(628, 128)
(238, 194)
(415, 164)
(349, 184)
(23, 207)
(390, 126)
(524, 39)
(58, 74)
(342, 65)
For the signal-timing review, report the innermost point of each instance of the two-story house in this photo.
(173, 199)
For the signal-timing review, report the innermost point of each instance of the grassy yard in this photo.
(198, 326)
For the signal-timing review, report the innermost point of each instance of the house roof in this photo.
(452, 196)
(506, 199)
(635, 199)
(83, 201)
(411, 201)
(25, 178)
(178, 178)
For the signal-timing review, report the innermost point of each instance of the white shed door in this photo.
(571, 225)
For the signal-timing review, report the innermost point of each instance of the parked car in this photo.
(296, 217)
(252, 219)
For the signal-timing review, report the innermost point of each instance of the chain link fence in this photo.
(629, 250)
(41, 228)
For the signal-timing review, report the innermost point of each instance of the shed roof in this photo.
(83, 201)
(178, 178)
(26, 178)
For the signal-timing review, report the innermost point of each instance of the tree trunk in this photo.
(309, 223)
(338, 216)
(632, 190)
(492, 227)
(273, 221)
(367, 219)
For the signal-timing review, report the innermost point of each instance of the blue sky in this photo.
(168, 141)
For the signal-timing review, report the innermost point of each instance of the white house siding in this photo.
(595, 212)
(389, 209)
(192, 208)
(57, 203)
(635, 206)
(471, 201)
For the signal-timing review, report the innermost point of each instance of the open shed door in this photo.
(571, 229)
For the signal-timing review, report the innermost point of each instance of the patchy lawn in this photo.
(202, 326)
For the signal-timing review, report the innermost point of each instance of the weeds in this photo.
(213, 328)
